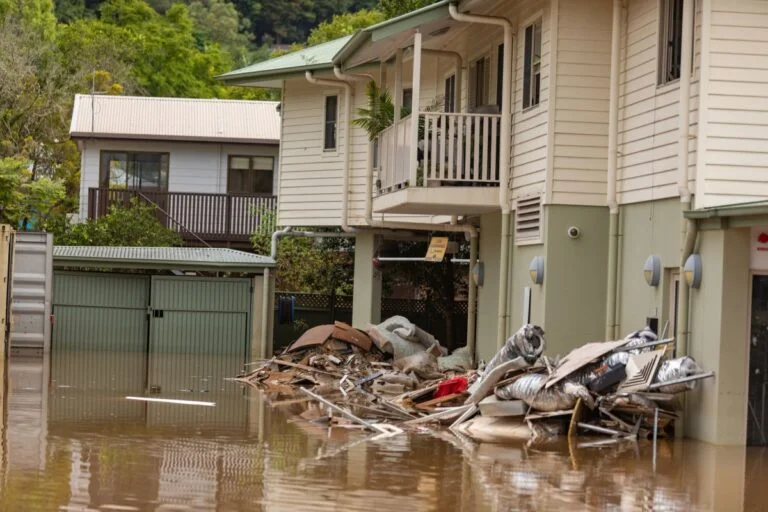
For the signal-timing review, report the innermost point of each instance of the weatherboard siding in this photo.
(648, 112)
(192, 166)
(580, 142)
(736, 159)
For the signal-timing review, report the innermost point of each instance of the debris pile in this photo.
(395, 374)
(623, 389)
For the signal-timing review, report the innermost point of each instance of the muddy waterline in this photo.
(71, 441)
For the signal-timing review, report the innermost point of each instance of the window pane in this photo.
(261, 182)
(114, 169)
(239, 162)
(331, 113)
(527, 59)
(237, 181)
(262, 163)
(499, 74)
(407, 99)
(146, 171)
(450, 94)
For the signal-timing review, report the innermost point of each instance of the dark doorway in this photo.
(757, 433)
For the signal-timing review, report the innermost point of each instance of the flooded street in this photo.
(72, 441)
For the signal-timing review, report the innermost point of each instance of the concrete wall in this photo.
(720, 314)
(488, 294)
(646, 229)
(575, 276)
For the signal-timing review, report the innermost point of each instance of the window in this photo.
(331, 116)
(671, 40)
(250, 175)
(408, 99)
(134, 170)
(479, 82)
(449, 101)
(532, 65)
(499, 75)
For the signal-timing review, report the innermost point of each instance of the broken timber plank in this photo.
(493, 407)
(542, 415)
(436, 401)
(453, 411)
(307, 368)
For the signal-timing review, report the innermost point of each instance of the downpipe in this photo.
(504, 157)
(613, 160)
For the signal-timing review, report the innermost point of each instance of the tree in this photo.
(343, 25)
(135, 226)
(392, 8)
(37, 204)
(217, 21)
(309, 265)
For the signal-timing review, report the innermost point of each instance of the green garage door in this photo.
(205, 320)
(94, 311)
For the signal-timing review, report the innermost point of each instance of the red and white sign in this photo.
(759, 248)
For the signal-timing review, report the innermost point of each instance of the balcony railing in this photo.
(453, 149)
(212, 218)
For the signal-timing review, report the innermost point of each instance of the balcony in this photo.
(214, 219)
(456, 170)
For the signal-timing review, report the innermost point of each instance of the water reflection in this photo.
(70, 441)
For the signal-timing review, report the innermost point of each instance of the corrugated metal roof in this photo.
(181, 258)
(312, 58)
(138, 117)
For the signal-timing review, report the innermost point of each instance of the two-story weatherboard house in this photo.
(210, 166)
(597, 146)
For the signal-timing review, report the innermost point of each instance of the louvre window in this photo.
(671, 43)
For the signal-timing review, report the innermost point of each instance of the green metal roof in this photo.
(393, 26)
(308, 59)
(731, 210)
(161, 258)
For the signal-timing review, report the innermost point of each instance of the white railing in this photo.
(394, 154)
(454, 148)
(460, 147)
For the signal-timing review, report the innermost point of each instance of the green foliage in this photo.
(343, 24)
(392, 8)
(40, 202)
(380, 112)
(309, 264)
(135, 226)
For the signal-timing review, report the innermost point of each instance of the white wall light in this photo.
(478, 273)
(536, 270)
(692, 270)
(652, 270)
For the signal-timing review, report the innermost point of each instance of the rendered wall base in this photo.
(366, 299)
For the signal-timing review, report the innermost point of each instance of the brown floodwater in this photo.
(70, 440)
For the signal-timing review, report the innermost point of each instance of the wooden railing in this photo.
(214, 218)
(393, 167)
(454, 149)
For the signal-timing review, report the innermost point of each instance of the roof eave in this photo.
(77, 135)
(272, 74)
(393, 26)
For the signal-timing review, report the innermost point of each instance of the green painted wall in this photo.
(646, 229)
(720, 312)
(575, 276)
(488, 294)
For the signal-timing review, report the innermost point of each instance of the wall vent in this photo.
(528, 220)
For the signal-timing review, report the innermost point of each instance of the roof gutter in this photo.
(504, 153)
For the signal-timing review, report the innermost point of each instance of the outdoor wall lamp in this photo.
(652, 270)
(692, 270)
(478, 273)
(536, 270)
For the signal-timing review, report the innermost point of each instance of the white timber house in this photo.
(209, 166)
(582, 145)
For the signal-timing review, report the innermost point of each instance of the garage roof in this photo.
(161, 258)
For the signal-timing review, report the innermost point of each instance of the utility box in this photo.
(32, 286)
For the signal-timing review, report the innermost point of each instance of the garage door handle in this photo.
(157, 313)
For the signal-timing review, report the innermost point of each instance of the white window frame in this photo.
(537, 19)
(330, 151)
(446, 77)
(662, 50)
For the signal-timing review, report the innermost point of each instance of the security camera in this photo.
(574, 232)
